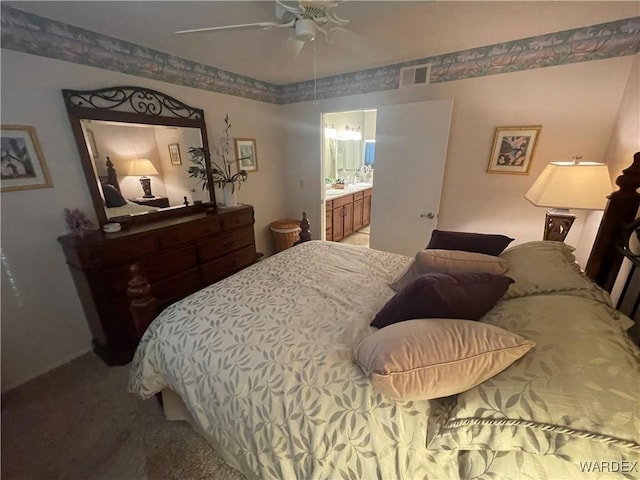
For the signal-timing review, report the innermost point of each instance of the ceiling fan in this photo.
(306, 18)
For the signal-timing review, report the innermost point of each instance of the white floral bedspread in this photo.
(262, 360)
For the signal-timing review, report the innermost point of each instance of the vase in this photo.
(229, 195)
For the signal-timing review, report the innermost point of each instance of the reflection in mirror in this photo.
(142, 168)
(349, 146)
(133, 144)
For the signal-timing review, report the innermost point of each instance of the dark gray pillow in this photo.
(489, 244)
(462, 295)
(112, 197)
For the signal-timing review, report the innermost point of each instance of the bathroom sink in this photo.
(333, 191)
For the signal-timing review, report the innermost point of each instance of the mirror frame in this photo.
(133, 105)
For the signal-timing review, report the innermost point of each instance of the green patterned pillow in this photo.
(575, 395)
(547, 267)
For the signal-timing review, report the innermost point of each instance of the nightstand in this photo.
(160, 202)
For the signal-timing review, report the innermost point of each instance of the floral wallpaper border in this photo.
(28, 33)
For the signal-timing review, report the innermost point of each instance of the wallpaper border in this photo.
(32, 34)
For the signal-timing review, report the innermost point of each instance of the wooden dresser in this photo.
(178, 257)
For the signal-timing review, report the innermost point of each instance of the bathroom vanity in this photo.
(347, 211)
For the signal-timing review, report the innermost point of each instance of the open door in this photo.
(411, 149)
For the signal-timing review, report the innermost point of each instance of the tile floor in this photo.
(361, 237)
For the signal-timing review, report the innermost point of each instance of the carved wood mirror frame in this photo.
(132, 105)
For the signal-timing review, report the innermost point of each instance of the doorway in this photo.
(348, 161)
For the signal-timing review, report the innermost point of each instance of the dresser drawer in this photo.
(153, 269)
(173, 289)
(190, 232)
(127, 250)
(358, 195)
(225, 243)
(237, 219)
(225, 266)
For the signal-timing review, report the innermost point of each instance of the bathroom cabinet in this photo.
(366, 207)
(358, 203)
(347, 214)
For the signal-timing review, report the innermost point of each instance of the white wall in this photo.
(43, 323)
(576, 105)
(625, 139)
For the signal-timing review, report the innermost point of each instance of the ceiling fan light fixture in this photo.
(305, 29)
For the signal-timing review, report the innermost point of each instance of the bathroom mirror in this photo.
(134, 148)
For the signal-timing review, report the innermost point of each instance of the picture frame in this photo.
(246, 154)
(174, 154)
(22, 164)
(513, 149)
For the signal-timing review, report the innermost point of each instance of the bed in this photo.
(115, 204)
(263, 364)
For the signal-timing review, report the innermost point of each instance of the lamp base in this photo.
(557, 223)
(146, 187)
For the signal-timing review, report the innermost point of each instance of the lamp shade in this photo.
(142, 166)
(583, 186)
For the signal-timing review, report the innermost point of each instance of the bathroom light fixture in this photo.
(143, 167)
(565, 185)
(330, 131)
(352, 133)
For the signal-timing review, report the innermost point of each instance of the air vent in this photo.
(415, 75)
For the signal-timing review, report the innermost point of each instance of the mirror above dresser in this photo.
(134, 147)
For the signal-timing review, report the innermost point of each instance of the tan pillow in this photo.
(432, 358)
(430, 261)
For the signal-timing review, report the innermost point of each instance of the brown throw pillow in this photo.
(433, 358)
(467, 295)
(428, 261)
(489, 244)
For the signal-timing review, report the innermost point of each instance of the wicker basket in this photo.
(284, 233)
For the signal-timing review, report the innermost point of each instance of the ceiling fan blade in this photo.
(297, 11)
(285, 57)
(294, 47)
(351, 44)
(245, 26)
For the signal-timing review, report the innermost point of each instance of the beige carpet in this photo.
(79, 422)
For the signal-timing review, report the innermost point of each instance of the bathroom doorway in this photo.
(348, 163)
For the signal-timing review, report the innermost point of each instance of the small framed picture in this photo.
(22, 164)
(246, 154)
(174, 154)
(513, 149)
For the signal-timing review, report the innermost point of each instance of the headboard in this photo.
(615, 255)
(111, 177)
(620, 213)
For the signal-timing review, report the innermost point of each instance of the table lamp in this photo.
(143, 167)
(565, 185)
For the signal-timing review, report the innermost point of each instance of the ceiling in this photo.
(380, 32)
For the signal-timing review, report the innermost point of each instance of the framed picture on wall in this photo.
(513, 149)
(22, 164)
(246, 154)
(174, 154)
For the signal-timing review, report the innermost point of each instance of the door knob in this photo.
(429, 215)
